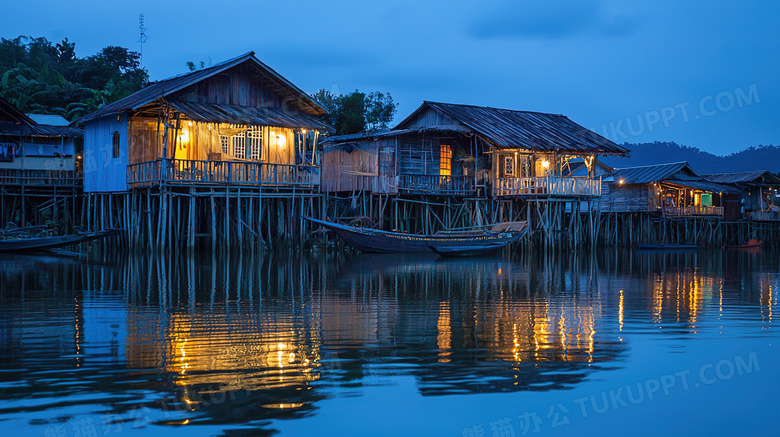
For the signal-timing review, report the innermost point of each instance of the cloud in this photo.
(550, 19)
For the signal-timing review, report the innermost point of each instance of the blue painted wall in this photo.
(103, 172)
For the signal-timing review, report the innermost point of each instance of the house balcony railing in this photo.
(437, 185)
(192, 172)
(43, 178)
(764, 216)
(551, 186)
(690, 211)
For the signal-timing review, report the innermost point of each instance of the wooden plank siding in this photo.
(629, 198)
(366, 165)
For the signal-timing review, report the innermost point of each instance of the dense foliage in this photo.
(357, 112)
(40, 77)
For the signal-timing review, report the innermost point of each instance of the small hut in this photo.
(37, 148)
(759, 198)
(672, 189)
(238, 122)
(464, 150)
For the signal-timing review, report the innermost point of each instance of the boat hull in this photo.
(667, 246)
(464, 249)
(376, 241)
(44, 243)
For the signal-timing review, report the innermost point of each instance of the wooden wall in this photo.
(629, 198)
(103, 172)
(365, 165)
(241, 86)
(428, 118)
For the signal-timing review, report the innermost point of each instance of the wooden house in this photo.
(463, 150)
(758, 198)
(235, 123)
(37, 149)
(672, 189)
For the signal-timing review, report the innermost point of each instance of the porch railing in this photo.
(184, 171)
(764, 215)
(449, 185)
(59, 178)
(554, 186)
(686, 211)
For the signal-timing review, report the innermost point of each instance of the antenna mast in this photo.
(143, 38)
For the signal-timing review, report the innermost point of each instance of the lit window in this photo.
(445, 160)
(255, 142)
(509, 165)
(225, 140)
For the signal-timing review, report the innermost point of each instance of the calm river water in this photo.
(628, 343)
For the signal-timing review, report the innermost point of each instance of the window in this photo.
(255, 137)
(225, 140)
(115, 144)
(239, 146)
(445, 160)
(509, 166)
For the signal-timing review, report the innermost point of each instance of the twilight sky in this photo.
(701, 73)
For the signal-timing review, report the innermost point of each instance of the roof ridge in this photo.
(653, 165)
(492, 107)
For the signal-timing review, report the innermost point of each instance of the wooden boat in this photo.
(749, 244)
(44, 243)
(667, 246)
(378, 241)
(472, 248)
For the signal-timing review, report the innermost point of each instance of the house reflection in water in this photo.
(259, 338)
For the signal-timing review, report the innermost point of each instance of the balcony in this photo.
(547, 186)
(436, 185)
(691, 211)
(40, 178)
(764, 216)
(191, 172)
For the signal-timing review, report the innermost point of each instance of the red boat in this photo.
(750, 243)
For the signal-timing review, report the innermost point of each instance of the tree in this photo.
(38, 76)
(379, 109)
(357, 112)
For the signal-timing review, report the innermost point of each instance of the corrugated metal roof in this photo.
(247, 115)
(703, 185)
(164, 88)
(336, 139)
(746, 177)
(647, 174)
(49, 119)
(524, 129)
(19, 123)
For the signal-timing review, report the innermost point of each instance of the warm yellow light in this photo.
(280, 140)
(545, 164)
(303, 131)
(621, 181)
(185, 136)
(78, 157)
(189, 123)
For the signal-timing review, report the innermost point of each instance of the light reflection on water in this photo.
(254, 344)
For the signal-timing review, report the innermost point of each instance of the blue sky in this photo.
(703, 74)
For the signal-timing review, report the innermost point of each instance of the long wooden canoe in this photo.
(378, 241)
(43, 243)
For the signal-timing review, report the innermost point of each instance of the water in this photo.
(638, 343)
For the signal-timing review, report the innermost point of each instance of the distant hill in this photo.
(752, 158)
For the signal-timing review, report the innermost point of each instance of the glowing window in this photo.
(445, 160)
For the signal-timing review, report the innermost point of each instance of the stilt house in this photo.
(759, 198)
(37, 149)
(463, 150)
(235, 123)
(672, 189)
